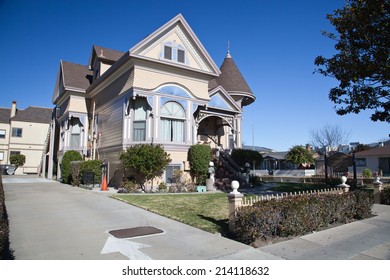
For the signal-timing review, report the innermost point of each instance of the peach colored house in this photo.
(164, 90)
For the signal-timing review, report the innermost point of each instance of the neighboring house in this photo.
(376, 159)
(24, 132)
(276, 161)
(5, 114)
(165, 90)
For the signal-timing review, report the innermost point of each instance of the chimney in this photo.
(13, 109)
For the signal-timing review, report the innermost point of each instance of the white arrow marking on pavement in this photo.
(126, 248)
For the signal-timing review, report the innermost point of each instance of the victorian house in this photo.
(164, 90)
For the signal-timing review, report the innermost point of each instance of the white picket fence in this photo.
(248, 201)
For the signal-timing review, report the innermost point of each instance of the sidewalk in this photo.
(53, 221)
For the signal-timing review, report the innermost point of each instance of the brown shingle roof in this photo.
(34, 114)
(232, 80)
(213, 84)
(4, 115)
(76, 75)
(108, 54)
(378, 151)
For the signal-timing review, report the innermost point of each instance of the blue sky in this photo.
(274, 44)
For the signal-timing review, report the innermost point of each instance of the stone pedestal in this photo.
(377, 190)
(343, 184)
(210, 185)
(235, 200)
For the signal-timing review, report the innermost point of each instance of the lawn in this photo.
(296, 187)
(207, 211)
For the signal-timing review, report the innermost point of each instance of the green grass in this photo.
(208, 212)
(296, 187)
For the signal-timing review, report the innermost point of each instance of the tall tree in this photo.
(329, 137)
(362, 62)
(300, 155)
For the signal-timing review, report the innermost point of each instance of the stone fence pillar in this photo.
(377, 190)
(235, 200)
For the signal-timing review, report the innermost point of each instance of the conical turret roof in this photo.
(233, 82)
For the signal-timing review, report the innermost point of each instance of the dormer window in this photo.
(180, 56)
(174, 52)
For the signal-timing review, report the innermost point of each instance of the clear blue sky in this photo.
(274, 44)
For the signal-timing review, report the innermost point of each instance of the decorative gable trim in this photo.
(180, 27)
(220, 99)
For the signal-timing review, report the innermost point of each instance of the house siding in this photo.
(110, 123)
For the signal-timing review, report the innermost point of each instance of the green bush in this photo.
(143, 162)
(300, 215)
(17, 160)
(66, 171)
(367, 173)
(385, 196)
(129, 187)
(94, 166)
(199, 157)
(5, 251)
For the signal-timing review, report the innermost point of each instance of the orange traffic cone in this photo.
(104, 184)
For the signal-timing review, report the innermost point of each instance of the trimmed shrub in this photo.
(66, 171)
(144, 162)
(300, 215)
(5, 251)
(199, 157)
(94, 166)
(17, 160)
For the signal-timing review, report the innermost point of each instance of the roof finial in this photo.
(228, 49)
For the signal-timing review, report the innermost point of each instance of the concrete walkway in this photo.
(53, 221)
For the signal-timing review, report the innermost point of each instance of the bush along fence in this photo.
(5, 251)
(294, 215)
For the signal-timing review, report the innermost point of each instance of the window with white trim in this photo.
(17, 132)
(1, 155)
(75, 133)
(172, 122)
(139, 121)
(2, 133)
(174, 52)
(361, 162)
(169, 172)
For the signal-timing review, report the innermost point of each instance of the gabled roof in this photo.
(4, 115)
(220, 99)
(104, 54)
(75, 76)
(34, 114)
(233, 82)
(378, 151)
(71, 76)
(180, 29)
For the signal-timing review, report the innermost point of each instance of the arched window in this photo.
(172, 122)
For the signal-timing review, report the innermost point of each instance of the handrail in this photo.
(227, 159)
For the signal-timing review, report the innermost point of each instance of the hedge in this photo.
(299, 215)
(5, 251)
